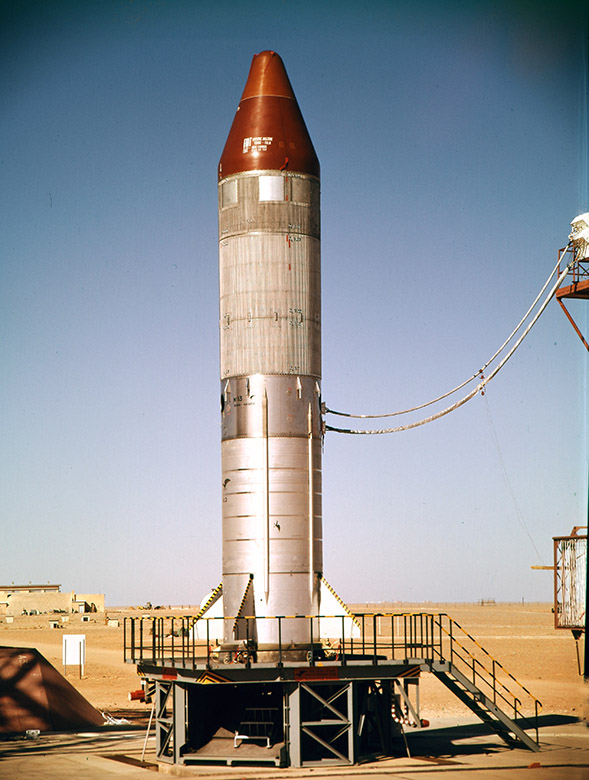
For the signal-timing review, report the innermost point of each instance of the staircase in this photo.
(480, 681)
(510, 730)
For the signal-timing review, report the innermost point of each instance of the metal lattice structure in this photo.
(570, 581)
(576, 284)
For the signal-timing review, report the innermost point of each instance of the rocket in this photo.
(270, 363)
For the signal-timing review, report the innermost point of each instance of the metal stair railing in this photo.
(510, 730)
(487, 681)
(441, 644)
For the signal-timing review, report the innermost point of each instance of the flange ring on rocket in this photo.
(270, 355)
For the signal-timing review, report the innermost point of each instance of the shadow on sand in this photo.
(440, 742)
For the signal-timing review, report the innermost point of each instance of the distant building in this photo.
(43, 599)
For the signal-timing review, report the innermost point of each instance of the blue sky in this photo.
(453, 146)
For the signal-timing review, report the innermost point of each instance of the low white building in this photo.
(45, 599)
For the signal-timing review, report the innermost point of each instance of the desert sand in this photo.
(521, 636)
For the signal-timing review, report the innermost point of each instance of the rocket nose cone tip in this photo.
(267, 77)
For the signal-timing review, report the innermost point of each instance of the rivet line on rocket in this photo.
(265, 94)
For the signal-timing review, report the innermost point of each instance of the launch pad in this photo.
(350, 699)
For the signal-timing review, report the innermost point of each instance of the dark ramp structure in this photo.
(34, 695)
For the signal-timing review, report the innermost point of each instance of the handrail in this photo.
(579, 270)
(422, 637)
(491, 674)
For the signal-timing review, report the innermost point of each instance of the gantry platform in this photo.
(575, 284)
(349, 699)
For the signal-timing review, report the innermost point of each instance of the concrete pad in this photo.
(71, 756)
(454, 748)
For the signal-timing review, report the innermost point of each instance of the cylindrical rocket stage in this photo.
(270, 343)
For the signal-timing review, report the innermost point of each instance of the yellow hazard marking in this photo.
(208, 678)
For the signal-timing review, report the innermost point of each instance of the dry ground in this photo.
(521, 637)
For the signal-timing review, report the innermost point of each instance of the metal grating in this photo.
(570, 581)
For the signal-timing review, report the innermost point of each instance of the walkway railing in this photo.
(579, 272)
(376, 639)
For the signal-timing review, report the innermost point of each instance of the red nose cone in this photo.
(268, 132)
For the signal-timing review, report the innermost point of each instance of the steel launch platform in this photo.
(334, 702)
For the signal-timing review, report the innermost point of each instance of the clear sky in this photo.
(453, 147)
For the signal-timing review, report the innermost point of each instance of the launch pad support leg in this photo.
(170, 720)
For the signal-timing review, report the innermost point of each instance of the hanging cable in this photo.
(479, 388)
(470, 379)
